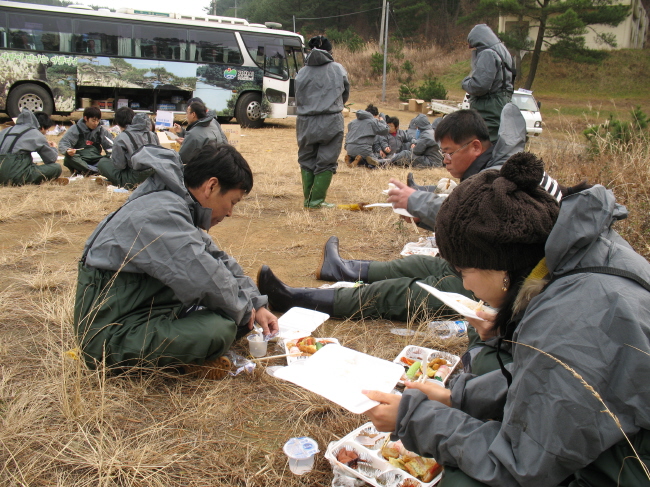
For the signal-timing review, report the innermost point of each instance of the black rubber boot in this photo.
(411, 184)
(282, 297)
(333, 268)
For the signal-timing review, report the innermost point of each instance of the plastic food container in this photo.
(292, 343)
(370, 466)
(412, 352)
(301, 452)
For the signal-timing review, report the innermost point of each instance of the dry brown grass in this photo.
(61, 424)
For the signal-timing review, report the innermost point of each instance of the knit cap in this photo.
(498, 220)
(320, 42)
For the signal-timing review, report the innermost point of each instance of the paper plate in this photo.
(340, 374)
(457, 302)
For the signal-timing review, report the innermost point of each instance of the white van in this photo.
(530, 110)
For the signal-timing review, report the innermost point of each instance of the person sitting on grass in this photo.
(574, 303)
(153, 289)
(396, 140)
(136, 132)
(422, 152)
(82, 144)
(203, 127)
(362, 133)
(16, 146)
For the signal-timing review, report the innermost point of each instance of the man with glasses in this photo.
(391, 289)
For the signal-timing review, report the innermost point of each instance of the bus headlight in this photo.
(538, 125)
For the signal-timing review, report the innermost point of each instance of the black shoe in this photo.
(333, 268)
(410, 182)
(282, 297)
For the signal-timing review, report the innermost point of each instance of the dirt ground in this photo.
(61, 424)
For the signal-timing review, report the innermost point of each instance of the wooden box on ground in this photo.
(403, 107)
(233, 134)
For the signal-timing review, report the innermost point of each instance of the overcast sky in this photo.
(186, 7)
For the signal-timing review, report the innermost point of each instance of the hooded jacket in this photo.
(553, 425)
(200, 133)
(79, 135)
(322, 85)
(28, 138)
(136, 134)
(362, 132)
(492, 66)
(512, 139)
(426, 152)
(159, 232)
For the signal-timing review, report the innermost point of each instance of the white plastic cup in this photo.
(257, 345)
(301, 452)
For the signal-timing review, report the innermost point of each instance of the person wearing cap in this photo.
(202, 127)
(322, 88)
(491, 82)
(574, 303)
(136, 132)
(16, 146)
(153, 289)
(82, 143)
(391, 290)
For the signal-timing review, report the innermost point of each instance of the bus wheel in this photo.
(33, 97)
(249, 110)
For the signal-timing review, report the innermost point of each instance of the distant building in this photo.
(630, 34)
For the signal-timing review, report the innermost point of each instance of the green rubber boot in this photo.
(319, 190)
(307, 183)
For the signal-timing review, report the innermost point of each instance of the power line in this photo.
(334, 16)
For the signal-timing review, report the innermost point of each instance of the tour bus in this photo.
(62, 59)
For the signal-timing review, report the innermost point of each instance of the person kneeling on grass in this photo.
(153, 288)
(82, 144)
(362, 133)
(16, 146)
(136, 132)
(574, 302)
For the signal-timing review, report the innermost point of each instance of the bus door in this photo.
(295, 60)
(276, 79)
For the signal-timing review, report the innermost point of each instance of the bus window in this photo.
(214, 46)
(295, 58)
(268, 53)
(105, 38)
(49, 33)
(156, 42)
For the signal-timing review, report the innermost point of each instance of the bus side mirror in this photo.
(539, 105)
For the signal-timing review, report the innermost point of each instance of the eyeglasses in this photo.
(451, 154)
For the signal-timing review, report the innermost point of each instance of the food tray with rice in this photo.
(305, 346)
(439, 365)
(369, 455)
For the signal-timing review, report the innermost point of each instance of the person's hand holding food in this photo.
(485, 329)
(267, 320)
(71, 151)
(399, 195)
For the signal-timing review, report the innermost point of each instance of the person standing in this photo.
(322, 88)
(16, 145)
(491, 82)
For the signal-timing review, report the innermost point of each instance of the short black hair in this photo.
(372, 109)
(461, 126)
(92, 112)
(393, 120)
(221, 161)
(124, 116)
(320, 42)
(44, 120)
(198, 108)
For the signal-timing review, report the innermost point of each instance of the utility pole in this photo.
(294, 23)
(214, 7)
(383, 23)
(383, 84)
